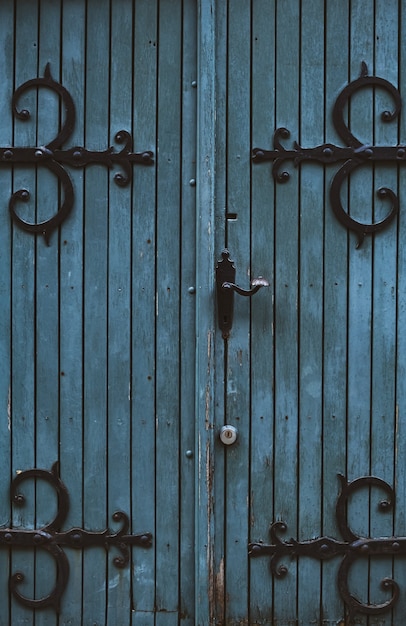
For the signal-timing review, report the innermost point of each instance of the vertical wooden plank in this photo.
(262, 321)
(143, 310)
(6, 139)
(23, 297)
(167, 316)
(286, 304)
(95, 310)
(208, 585)
(311, 277)
(400, 373)
(238, 356)
(383, 330)
(335, 312)
(360, 296)
(46, 297)
(187, 315)
(119, 306)
(216, 346)
(71, 308)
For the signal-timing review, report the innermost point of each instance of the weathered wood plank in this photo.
(47, 373)
(311, 282)
(360, 296)
(286, 306)
(143, 309)
(400, 372)
(335, 311)
(209, 580)
(383, 327)
(167, 312)
(213, 78)
(71, 308)
(96, 210)
(188, 316)
(23, 297)
(6, 139)
(119, 295)
(262, 320)
(237, 365)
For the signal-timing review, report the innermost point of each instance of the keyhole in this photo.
(228, 434)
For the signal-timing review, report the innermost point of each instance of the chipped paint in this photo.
(208, 421)
(209, 541)
(9, 409)
(209, 342)
(207, 408)
(220, 588)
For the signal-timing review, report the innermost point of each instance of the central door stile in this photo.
(237, 216)
(208, 571)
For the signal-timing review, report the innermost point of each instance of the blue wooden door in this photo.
(313, 374)
(140, 140)
(97, 318)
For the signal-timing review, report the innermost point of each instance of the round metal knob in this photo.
(228, 435)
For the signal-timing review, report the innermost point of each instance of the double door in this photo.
(166, 139)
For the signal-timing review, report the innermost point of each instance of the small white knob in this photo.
(228, 435)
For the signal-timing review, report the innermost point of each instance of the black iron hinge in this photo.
(54, 158)
(53, 540)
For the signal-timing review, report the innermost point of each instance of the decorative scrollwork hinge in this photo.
(52, 539)
(351, 549)
(54, 158)
(354, 154)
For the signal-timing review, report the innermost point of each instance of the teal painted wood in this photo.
(47, 373)
(286, 307)
(143, 309)
(187, 316)
(360, 310)
(324, 351)
(383, 325)
(23, 311)
(119, 306)
(209, 571)
(95, 323)
(6, 128)
(400, 379)
(310, 311)
(237, 366)
(215, 413)
(262, 310)
(167, 375)
(71, 311)
(334, 306)
(335, 311)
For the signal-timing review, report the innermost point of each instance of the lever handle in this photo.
(225, 277)
(256, 285)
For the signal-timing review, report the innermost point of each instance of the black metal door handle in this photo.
(225, 277)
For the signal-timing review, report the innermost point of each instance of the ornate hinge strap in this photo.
(350, 549)
(354, 154)
(52, 539)
(54, 158)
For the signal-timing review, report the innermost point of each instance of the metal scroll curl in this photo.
(351, 548)
(354, 154)
(53, 540)
(54, 158)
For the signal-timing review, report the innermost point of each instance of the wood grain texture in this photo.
(110, 357)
